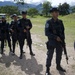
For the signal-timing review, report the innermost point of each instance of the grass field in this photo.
(69, 23)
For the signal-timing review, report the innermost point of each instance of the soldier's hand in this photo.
(58, 39)
(28, 27)
(25, 30)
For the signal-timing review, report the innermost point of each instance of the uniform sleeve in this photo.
(30, 24)
(63, 30)
(48, 32)
(8, 27)
(0, 24)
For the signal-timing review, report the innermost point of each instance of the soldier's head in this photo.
(24, 14)
(14, 16)
(3, 18)
(55, 12)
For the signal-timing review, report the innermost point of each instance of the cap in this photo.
(54, 9)
(14, 15)
(24, 12)
(3, 17)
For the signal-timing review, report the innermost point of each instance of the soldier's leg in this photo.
(9, 43)
(49, 58)
(58, 54)
(29, 42)
(14, 43)
(59, 57)
(2, 45)
(21, 44)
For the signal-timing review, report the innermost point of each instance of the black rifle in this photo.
(28, 36)
(65, 51)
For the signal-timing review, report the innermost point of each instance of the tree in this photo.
(64, 9)
(9, 10)
(46, 7)
(32, 12)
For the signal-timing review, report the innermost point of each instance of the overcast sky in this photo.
(54, 2)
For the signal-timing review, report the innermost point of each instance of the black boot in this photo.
(2, 51)
(48, 71)
(13, 53)
(23, 52)
(11, 50)
(59, 68)
(21, 56)
(32, 54)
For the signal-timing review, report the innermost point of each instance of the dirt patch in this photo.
(12, 65)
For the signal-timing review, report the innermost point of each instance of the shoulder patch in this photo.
(0, 21)
(47, 25)
(18, 22)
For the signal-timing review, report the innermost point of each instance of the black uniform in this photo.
(14, 27)
(5, 35)
(53, 30)
(23, 23)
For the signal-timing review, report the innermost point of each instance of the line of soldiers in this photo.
(19, 30)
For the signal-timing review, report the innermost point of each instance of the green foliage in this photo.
(32, 12)
(9, 10)
(46, 8)
(64, 9)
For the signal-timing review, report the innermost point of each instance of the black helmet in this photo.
(3, 17)
(24, 12)
(54, 9)
(14, 15)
